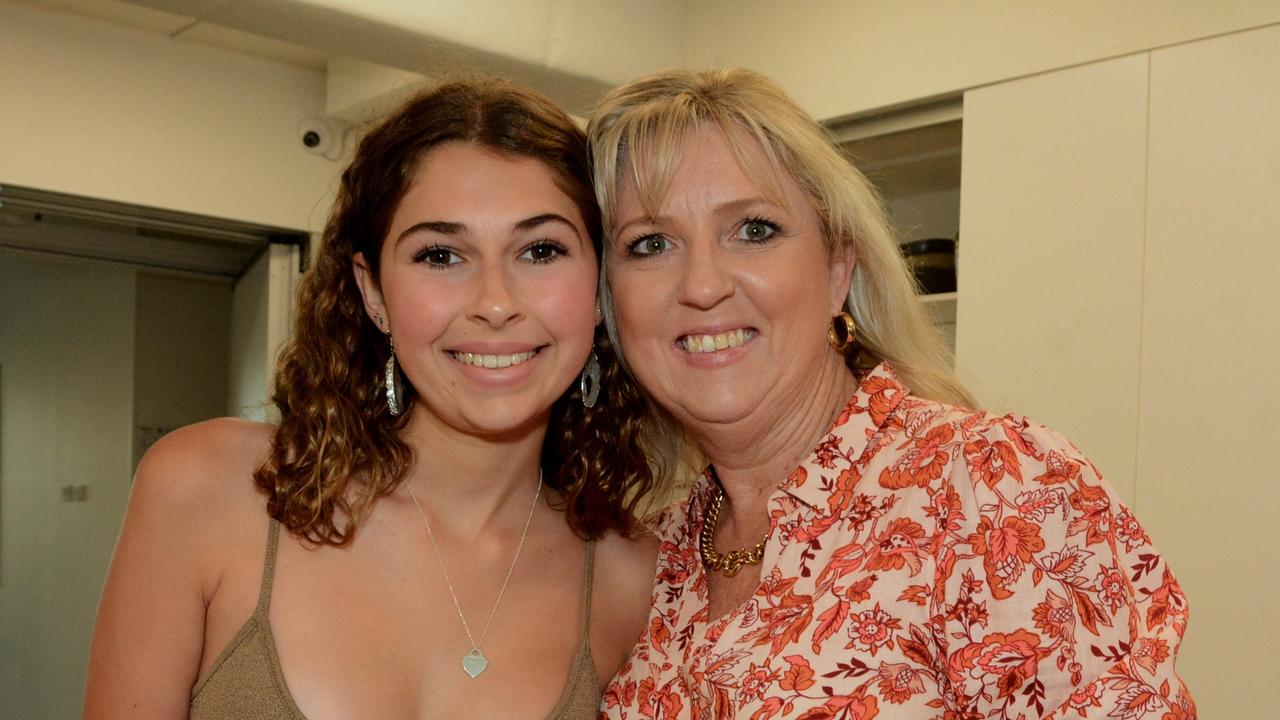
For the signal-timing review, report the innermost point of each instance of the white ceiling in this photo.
(568, 49)
(192, 29)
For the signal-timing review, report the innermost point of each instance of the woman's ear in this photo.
(371, 292)
(843, 261)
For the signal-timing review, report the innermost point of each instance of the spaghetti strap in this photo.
(268, 567)
(587, 582)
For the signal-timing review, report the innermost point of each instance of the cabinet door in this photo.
(1208, 487)
(1050, 260)
(66, 406)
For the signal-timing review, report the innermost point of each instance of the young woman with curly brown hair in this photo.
(456, 500)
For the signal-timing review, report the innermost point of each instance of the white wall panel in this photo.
(1208, 483)
(261, 321)
(1050, 259)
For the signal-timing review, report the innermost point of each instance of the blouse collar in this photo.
(875, 399)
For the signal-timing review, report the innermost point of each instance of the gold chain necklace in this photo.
(731, 562)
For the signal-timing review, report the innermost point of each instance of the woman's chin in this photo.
(709, 408)
(494, 418)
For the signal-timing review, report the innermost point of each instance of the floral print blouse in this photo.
(924, 562)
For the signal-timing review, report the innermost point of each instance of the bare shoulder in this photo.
(201, 468)
(194, 493)
(208, 448)
(193, 514)
(623, 587)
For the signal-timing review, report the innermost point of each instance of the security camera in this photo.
(322, 136)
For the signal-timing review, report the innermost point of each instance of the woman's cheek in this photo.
(568, 307)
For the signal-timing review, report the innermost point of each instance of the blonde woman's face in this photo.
(722, 299)
(487, 286)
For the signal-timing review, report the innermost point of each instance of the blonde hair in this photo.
(638, 129)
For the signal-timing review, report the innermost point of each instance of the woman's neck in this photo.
(473, 484)
(753, 456)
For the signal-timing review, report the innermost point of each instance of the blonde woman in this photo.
(860, 544)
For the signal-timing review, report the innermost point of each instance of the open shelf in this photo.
(939, 298)
(942, 308)
(916, 170)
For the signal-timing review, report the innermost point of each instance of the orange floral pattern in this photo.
(924, 562)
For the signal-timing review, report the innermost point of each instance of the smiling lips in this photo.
(492, 362)
(713, 343)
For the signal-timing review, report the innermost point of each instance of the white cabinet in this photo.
(1051, 255)
(1209, 420)
(1120, 257)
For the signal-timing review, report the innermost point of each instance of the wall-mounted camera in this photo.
(322, 136)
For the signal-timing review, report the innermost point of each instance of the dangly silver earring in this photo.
(392, 383)
(589, 382)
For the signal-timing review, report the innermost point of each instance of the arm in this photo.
(149, 634)
(1056, 603)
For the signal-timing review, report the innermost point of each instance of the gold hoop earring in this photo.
(842, 332)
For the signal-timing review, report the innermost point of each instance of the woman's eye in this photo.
(649, 245)
(757, 230)
(543, 252)
(437, 256)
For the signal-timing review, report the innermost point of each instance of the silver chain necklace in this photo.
(474, 662)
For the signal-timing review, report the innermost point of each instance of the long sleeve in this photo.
(1053, 601)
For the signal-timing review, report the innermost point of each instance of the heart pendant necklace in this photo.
(474, 662)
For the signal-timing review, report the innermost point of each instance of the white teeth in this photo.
(492, 361)
(712, 343)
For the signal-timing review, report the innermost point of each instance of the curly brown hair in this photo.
(337, 448)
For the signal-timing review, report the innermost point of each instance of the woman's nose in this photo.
(497, 302)
(705, 280)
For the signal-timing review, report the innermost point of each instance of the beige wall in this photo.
(840, 58)
(111, 112)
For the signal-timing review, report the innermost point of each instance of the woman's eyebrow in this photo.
(536, 220)
(642, 220)
(736, 206)
(543, 219)
(455, 228)
(435, 226)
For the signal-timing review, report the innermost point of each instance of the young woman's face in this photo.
(487, 286)
(722, 297)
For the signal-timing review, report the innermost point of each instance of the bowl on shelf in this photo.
(933, 262)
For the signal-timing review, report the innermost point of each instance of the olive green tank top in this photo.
(246, 681)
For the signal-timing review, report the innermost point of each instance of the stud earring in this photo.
(842, 332)
(589, 382)
(391, 383)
